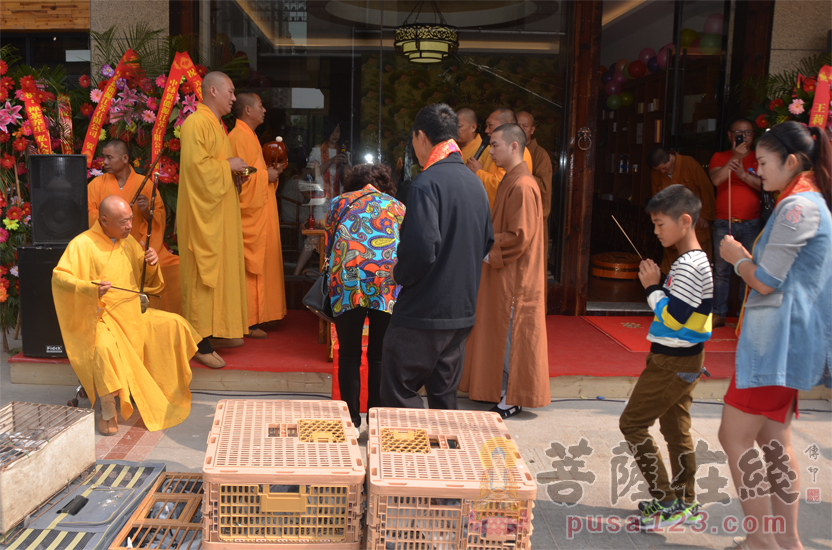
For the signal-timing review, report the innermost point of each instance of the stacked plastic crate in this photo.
(283, 474)
(446, 480)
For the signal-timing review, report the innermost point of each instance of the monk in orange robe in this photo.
(265, 290)
(468, 139)
(121, 180)
(489, 173)
(212, 273)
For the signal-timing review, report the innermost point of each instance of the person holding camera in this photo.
(737, 206)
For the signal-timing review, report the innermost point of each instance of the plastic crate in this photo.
(283, 474)
(446, 480)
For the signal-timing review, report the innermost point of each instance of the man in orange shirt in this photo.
(121, 180)
(265, 289)
(742, 213)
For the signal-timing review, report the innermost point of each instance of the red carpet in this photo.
(631, 332)
(577, 347)
(292, 346)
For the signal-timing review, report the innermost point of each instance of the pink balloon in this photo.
(714, 24)
(645, 55)
(661, 58)
(612, 87)
(619, 77)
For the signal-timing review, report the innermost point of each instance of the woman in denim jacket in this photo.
(785, 328)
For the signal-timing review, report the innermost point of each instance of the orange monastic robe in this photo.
(469, 150)
(105, 185)
(491, 174)
(261, 232)
(511, 298)
(212, 268)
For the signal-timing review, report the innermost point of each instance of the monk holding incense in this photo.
(121, 180)
(212, 264)
(114, 348)
(489, 173)
(506, 356)
(261, 227)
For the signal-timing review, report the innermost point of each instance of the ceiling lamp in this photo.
(426, 42)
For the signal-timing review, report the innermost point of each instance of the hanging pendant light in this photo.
(426, 42)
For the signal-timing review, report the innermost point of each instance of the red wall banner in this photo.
(820, 109)
(182, 66)
(38, 123)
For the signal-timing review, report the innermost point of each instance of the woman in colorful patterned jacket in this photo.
(785, 328)
(363, 233)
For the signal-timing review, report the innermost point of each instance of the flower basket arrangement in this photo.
(130, 117)
(788, 95)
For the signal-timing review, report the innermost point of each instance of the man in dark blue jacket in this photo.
(445, 235)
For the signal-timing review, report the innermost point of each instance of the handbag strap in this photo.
(340, 221)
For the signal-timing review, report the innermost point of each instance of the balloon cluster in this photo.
(649, 61)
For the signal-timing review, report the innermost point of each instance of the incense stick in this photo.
(628, 238)
(128, 290)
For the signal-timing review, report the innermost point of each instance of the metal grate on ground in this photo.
(470, 490)
(170, 517)
(283, 474)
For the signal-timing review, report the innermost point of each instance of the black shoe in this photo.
(507, 413)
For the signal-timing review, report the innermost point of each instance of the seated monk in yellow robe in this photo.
(114, 348)
(121, 180)
(265, 289)
(468, 139)
(489, 173)
(211, 261)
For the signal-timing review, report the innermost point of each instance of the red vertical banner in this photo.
(65, 123)
(182, 66)
(97, 120)
(38, 123)
(820, 109)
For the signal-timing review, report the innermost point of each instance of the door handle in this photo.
(584, 137)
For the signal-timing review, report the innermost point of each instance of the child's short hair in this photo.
(674, 201)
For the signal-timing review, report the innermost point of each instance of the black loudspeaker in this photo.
(59, 197)
(38, 320)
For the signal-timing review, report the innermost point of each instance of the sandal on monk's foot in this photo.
(257, 334)
(507, 413)
(210, 360)
(108, 427)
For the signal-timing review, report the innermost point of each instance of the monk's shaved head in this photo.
(526, 121)
(244, 99)
(468, 115)
(218, 93)
(113, 205)
(118, 147)
(505, 115)
(115, 217)
(512, 133)
(500, 116)
(215, 79)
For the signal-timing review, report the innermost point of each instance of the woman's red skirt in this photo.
(773, 402)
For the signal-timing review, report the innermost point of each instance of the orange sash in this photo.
(441, 151)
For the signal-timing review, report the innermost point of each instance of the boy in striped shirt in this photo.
(680, 328)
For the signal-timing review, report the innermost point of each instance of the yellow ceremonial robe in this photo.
(105, 185)
(212, 269)
(111, 344)
(261, 232)
(491, 174)
(469, 150)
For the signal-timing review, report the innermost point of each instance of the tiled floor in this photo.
(566, 422)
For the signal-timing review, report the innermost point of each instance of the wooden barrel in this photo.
(615, 265)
